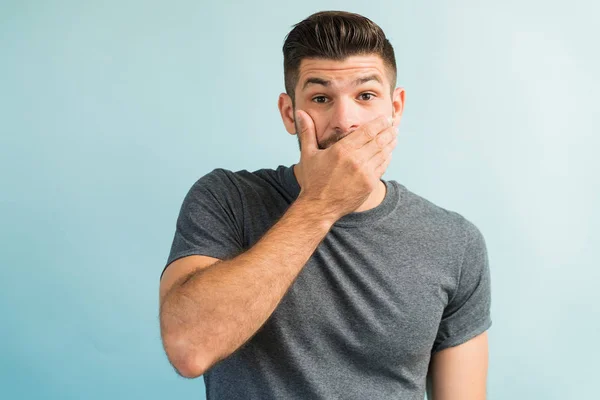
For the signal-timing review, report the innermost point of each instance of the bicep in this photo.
(459, 372)
(181, 268)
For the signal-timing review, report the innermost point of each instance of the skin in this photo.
(340, 107)
(459, 372)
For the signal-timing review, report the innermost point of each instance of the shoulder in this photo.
(431, 218)
(217, 178)
(226, 183)
(461, 238)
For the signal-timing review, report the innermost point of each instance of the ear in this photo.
(287, 112)
(398, 104)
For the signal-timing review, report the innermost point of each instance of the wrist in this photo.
(315, 211)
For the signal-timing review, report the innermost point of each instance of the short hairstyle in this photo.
(334, 35)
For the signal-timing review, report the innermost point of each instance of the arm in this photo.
(460, 372)
(215, 310)
(459, 360)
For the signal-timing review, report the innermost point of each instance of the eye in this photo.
(319, 99)
(362, 96)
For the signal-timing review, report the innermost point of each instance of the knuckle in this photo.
(369, 132)
(338, 152)
(383, 123)
(385, 138)
(355, 164)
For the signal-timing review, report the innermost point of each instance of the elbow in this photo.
(189, 370)
(187, 360)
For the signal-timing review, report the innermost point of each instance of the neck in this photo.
(375, 197)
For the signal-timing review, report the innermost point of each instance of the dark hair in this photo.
(334, 35)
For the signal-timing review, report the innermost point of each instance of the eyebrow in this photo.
(357, 82)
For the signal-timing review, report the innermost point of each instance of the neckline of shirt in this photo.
(354, 219)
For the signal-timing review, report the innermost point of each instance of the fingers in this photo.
(380, 170)
(367, 132)
(379, 162)
(382, 140)
(306, 132)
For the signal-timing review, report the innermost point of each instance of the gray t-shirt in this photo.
(383, 291)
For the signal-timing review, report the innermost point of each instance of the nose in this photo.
(344, 118)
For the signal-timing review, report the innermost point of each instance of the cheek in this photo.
(368, 114)
(381, 108)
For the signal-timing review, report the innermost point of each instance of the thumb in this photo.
(306, 132)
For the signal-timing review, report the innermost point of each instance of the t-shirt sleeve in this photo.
(468, 311)
(210, 220)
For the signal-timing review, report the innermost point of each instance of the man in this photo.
(322, 280)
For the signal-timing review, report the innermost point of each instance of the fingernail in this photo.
(390, 121)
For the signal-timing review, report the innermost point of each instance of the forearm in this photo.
(219, 308)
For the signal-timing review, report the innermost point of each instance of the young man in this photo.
(322, 280)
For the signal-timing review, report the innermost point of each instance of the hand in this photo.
(340, 178)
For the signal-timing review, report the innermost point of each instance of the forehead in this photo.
(341, 72)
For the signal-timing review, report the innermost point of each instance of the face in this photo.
(340, 96)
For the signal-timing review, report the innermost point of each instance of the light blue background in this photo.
(110, 110)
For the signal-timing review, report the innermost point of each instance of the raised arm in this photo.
(218, 308)
(207, 313)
